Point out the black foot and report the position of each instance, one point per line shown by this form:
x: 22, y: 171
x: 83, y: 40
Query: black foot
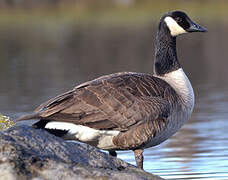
x: 113, y: 153
x: 139, y: 158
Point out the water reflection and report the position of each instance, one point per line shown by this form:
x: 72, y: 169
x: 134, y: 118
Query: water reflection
x: 41, y: 65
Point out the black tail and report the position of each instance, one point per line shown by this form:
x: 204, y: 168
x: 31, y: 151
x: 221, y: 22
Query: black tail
x: 40, y: 124
x: 43, y: 122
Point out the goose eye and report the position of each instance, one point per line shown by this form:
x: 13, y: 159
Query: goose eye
x: 178, y: 19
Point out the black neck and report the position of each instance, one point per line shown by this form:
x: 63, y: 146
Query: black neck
x: 165, y: 53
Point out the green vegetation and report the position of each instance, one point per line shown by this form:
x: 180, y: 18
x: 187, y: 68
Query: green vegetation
x: 5, y: 122
x: 112, y: 13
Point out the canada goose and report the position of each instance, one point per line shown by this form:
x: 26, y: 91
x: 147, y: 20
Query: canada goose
x: 127, y: 111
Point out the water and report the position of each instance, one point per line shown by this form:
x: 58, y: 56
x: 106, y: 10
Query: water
x: 42, y: 64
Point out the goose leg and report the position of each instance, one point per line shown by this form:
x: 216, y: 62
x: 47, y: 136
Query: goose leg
x: 113, y: 153
x: 139, y: 157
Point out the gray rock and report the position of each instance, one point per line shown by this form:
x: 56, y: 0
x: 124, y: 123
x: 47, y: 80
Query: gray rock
x: 27, y: 153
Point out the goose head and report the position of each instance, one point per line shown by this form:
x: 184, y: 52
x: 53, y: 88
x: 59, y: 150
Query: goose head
x: 178, y: 22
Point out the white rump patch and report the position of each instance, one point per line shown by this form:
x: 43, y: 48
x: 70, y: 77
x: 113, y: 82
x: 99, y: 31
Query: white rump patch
x: 181, y: 84
x: 103, y: 138
x: 174, y: 27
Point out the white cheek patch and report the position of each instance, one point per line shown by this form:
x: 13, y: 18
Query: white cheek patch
x: 175, y: 29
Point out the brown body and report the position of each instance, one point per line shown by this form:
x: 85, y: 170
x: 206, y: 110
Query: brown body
x: 137, y: 105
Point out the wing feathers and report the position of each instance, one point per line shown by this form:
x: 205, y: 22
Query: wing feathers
x: 119, y: 101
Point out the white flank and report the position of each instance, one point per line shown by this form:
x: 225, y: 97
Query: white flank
x: 181, y: 84
x: 174, y: 27
x: 102, y: 138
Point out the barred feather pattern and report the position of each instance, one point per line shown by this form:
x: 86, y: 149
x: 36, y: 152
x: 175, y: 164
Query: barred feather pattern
x: 137, y: 105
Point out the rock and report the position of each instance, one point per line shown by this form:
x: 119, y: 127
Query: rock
x: 27, y: 153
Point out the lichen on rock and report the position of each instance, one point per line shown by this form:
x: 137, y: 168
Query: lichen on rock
x: 5, y: 122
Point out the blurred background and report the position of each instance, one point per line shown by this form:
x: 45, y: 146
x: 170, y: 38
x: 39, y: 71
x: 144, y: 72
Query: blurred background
x: 49, y: 46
